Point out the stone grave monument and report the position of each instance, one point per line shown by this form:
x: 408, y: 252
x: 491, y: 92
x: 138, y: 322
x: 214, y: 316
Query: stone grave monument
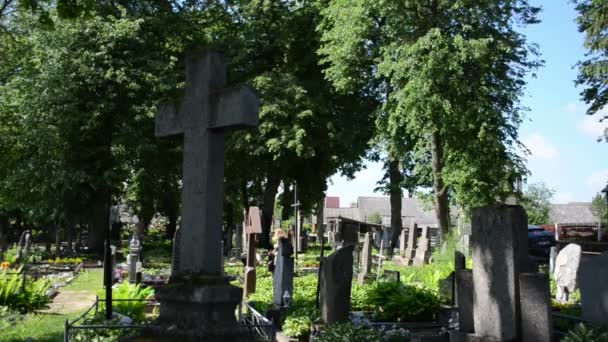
x: 133, y: 258
x: 535, y: 303
x: 199, y: 302
x: 593, y: 277
x: 238, y: 240
x: 282, y: 278
x: 410, y: 251
x: 565, y: 271
x: 501, y: 286
x: 335, y: 285
x: 253, y: 227
x: 423, y: 249
x: 403, y: 241
x: 366, y: 259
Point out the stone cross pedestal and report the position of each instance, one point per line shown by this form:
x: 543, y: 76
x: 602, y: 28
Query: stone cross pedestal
x: 410, y: 251
x: 423, y: 250
x: 253, y: 227
x: 199, y: 303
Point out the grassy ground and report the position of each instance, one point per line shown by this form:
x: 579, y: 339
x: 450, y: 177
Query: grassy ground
x: 50, y: 327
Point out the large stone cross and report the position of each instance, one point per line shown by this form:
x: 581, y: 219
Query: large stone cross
x: 204, y: 116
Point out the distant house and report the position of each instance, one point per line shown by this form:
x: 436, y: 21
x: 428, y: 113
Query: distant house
x: 411, y: 211
x: 332, y: 202
x: 572, y: 212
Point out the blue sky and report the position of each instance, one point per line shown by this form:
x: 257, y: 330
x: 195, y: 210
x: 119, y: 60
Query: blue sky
x: 562, y: 139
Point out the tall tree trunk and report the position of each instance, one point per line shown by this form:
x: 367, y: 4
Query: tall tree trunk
x: 3, y: 233
x: 170, y: 208
x: 57, y: 240
x: 319, y: 223
x: 270, y: 193
x: 286, y: 202
x: 100, y: 221
x: 396, y: 194
x: 142, y: 225
x: 442, y: 209
x: 70, y: 227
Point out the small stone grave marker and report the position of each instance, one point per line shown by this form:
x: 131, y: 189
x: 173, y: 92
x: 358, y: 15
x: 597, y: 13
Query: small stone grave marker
x: 566, y: 269
x: 410, y: 251
x: 282, y: 283
x: 252, y: 228
x: 423, y: 250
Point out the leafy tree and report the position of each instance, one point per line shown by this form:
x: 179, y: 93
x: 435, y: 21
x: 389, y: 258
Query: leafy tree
x: 599, y: 207
x: 536, y: 200
x: 593, y: 73
x: 375, y: 218
x: 450, y: 74
x: 307, y: 131
x: 84, y: 100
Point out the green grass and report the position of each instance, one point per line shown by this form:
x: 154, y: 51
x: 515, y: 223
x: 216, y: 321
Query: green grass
x: 90, y: 280
x: 50, y: 327
x: 40, y: 327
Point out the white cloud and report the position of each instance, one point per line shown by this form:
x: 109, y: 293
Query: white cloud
x: 571, y: 108
x: 591, y: 126
x: 597, y: 181
x: 563, y: 197
x: 540, y: 147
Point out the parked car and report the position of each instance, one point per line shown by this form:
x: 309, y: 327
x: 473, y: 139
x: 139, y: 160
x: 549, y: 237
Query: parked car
x: 540, y: 241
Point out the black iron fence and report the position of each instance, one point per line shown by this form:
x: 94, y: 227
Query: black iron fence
x: 260, y: 326
x: 80, y: 322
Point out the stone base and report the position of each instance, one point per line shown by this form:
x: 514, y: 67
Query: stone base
x: 457, y: 336
x: 197, y: 310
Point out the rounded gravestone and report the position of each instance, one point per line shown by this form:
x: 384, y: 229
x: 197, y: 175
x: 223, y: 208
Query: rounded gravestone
x: 566, y: 268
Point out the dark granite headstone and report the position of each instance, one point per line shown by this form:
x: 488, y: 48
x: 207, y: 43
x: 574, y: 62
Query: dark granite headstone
x: 366, y: 259
x: 464, y: 299
x: 535, y: 302
x: 593, y: 277
x: 282, y: 281
x: 336, y: 283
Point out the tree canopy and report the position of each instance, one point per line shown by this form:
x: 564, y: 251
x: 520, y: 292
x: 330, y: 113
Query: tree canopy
x: 593, y: 71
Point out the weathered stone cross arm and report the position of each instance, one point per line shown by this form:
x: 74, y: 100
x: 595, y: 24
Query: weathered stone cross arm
x: 233, y: 108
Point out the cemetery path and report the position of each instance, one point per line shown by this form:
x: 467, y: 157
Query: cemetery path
x: 70, y: 301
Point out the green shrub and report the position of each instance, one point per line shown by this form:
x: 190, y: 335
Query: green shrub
x: 297, y: 326
x: 584, y: 333
x: 11, y: 255
x: 348, y: 332
x: 394, y: 301
x: 132, y: 309
x: 22, y: 293
x: 65, y: 261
